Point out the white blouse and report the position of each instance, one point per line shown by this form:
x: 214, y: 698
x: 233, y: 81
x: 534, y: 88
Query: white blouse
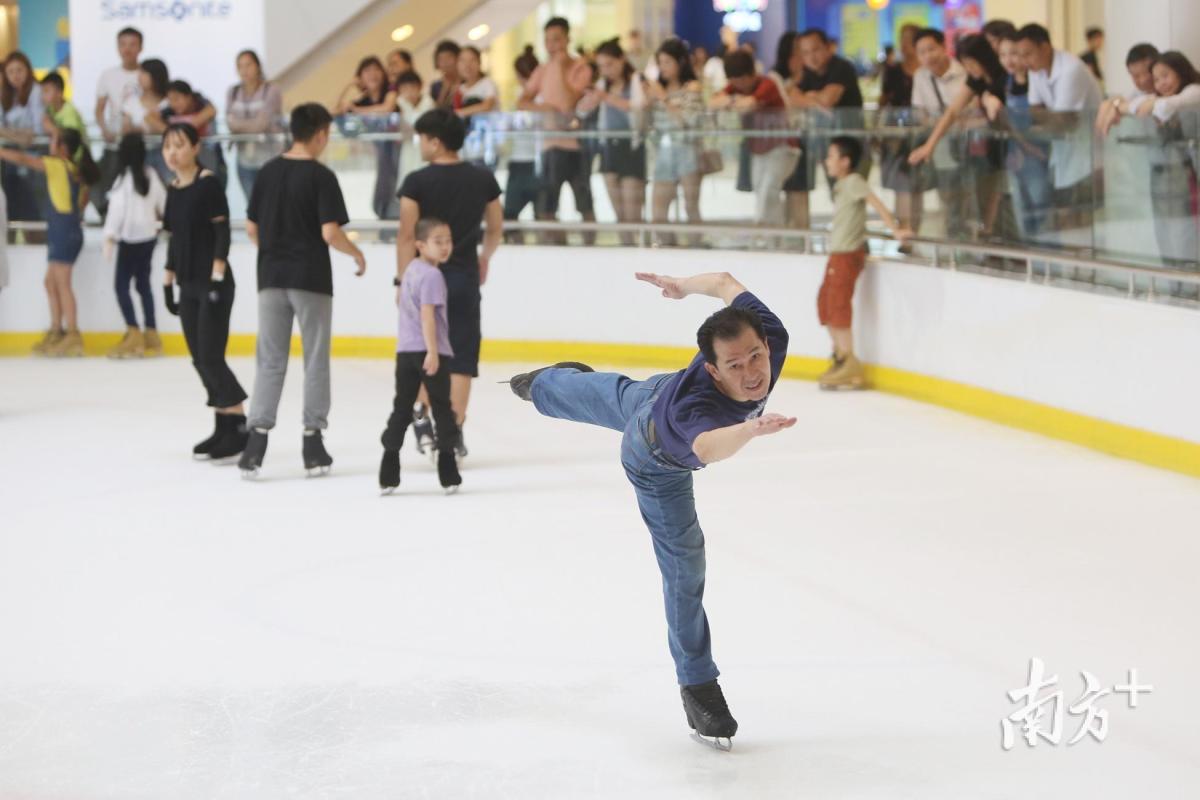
x: 131, y: 217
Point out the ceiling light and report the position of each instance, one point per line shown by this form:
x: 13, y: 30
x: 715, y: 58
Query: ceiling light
x: 402, y: 33
x: 478, y: 32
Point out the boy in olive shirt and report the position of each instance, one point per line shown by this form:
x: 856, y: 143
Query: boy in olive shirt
x: 847, y: 257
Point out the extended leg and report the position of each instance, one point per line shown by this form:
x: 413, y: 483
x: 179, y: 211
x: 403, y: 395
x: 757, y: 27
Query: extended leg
x: 606, y: 399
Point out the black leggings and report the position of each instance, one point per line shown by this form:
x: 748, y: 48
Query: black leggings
x: 409, y: 377
x: 206, y: 328
x: 133, y: 264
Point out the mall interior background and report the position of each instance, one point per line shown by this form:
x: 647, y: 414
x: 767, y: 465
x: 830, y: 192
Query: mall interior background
x: 311, y: 46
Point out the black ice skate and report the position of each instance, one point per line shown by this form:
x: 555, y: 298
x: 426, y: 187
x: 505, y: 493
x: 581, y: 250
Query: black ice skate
x: 252, y: 457
x: 232, y: 440
x: 708, y: 715
x: 448, y: 476
x: 202, y: 451
x: 460, y: 446
x: 423, y: 432
x: 389, y: 471
x: 316, y: 461
x: 522, y: 384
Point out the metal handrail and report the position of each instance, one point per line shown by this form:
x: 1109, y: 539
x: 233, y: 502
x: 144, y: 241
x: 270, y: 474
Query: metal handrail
x: 645, y: 232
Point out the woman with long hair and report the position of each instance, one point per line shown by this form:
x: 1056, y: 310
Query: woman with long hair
x: 143, y: 113
x: 253, y: 105
x: 68, y: 171
x: 1173, y: 178
x: 787, y: 72
x: 197, y: 218
x: 677, y: 101
x: 21, y: 115
x: 370, y: 98
x: 135, y: 205
x: 987, y: 80
x: 620, y: 98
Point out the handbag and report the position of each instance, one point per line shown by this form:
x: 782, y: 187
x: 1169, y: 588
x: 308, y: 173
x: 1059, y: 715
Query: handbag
x: 711, y: 161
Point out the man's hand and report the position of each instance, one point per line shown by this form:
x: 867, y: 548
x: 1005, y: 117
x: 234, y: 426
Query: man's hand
x: 431, y: 363
x: 361, y: 262
x: 110, y: 249
x: 671, y: 287
x: 770, y: 423
x: 903, y: 234
x: 484, y: 265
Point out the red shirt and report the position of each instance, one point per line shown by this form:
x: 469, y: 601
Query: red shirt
x: 768, y: 116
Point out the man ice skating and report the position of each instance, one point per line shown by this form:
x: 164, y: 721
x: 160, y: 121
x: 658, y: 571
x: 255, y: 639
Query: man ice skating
x: 674, y: 424
x: 296, y: 213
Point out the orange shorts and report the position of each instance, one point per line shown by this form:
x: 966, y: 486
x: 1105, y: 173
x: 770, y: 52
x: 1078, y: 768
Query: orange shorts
x: 834, y: 307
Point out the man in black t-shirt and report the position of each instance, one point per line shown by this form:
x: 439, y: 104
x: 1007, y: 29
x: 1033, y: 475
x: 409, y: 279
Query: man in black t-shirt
x: 829, y: 83
x: 466, y: 197
x: 296, y: 213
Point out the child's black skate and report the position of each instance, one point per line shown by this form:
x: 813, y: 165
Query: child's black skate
x: 448, y: 476
x: 316, y: 461
x: 423, y: 431
x: 252, y: 457
x: 708, y: 715
x: 389, y: 471
x: 522, y: 384
x: 460, y: 446
x: 203, y: 450
x: 231, y: 442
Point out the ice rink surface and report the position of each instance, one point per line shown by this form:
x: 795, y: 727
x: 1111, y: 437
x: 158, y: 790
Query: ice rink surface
x: 878, y: 578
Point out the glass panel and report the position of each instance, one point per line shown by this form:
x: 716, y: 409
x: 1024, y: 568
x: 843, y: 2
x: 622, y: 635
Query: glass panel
x: 1028, y: 179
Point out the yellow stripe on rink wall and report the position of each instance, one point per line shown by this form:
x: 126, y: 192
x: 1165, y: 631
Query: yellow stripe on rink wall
x: 1115, y: 439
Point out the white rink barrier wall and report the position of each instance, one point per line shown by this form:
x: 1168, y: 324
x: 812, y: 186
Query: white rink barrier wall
x: 1108, y: 372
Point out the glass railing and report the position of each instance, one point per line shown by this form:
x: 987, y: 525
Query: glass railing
x: 1048, y: 182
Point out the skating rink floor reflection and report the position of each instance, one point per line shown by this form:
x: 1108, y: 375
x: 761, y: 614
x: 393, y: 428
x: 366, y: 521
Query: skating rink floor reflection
x: 878, y: 578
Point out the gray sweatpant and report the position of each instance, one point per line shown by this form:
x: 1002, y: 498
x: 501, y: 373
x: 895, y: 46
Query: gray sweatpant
x: 276, y: 309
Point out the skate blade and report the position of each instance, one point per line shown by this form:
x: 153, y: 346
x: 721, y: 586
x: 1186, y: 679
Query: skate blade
x: 201, y: 457
x: 720, y: 743
x: 842, y: 387
x: 387, y: 491
x: 228, y: 461
x: 449, y: 490
x: 250, y: 474
x: 316, y: 472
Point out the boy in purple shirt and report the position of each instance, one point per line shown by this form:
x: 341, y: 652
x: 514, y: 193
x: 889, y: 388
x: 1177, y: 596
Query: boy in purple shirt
x: 422, y: 355
x: 674, y: 424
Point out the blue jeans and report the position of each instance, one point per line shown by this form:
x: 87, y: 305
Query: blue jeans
x: 133, y: 264
x: 664, y: 495
x: 246, y: 177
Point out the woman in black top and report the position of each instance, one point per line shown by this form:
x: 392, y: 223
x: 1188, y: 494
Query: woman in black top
x: 373, y: 103
x: 197, y: 218
x: 987, y: 80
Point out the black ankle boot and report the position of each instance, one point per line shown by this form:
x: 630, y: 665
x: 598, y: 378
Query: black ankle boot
x: 389, y: 470
x: 201, y: 451
x: 522, y: 385
x: 232, y: 440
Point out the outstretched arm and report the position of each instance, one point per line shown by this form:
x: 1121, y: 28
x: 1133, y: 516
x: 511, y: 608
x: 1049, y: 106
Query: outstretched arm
x: 720, y: 285
x: 722, y: 443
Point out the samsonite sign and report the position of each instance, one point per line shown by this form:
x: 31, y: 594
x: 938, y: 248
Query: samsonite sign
x: 198, y: 39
